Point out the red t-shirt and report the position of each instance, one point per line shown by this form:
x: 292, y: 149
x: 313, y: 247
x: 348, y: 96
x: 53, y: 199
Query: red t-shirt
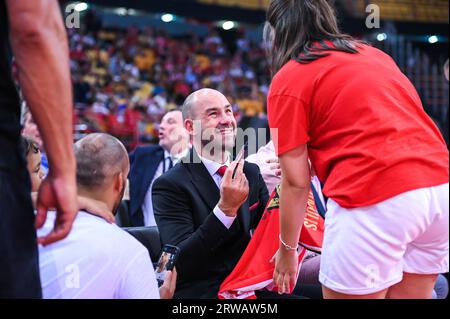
x: 367, y: 133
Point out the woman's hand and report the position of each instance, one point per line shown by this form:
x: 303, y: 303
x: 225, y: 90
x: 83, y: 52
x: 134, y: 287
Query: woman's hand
x: 96, y: 208
x: 285, y: 273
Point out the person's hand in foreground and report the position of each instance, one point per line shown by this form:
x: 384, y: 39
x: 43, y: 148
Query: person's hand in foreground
x: 233, y: 191
x: 60, y: 192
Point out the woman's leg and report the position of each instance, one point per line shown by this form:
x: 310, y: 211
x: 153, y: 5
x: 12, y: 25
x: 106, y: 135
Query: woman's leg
x: 413, y: 286
x: 331, y: 294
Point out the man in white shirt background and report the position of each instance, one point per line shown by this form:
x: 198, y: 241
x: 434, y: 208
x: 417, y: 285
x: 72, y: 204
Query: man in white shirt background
x: 98, y: 259
x: 150, y: 162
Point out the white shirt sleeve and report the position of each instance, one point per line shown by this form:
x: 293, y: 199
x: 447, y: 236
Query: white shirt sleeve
x: 139, y: 280
x: 224, y: 219
x: 265, y: 153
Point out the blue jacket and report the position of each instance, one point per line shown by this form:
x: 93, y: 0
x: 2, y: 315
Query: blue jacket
x: 144, y: 162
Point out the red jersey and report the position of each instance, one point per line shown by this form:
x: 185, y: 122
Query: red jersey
x: 367, y: 133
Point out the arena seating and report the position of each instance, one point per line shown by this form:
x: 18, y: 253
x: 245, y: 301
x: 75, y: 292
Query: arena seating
x: 431, y: 11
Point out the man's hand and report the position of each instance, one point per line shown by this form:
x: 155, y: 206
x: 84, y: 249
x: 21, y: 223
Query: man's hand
x: 59, y: 192
x: 233, y: 191
x: 167, y: 290
x: 275, y: 166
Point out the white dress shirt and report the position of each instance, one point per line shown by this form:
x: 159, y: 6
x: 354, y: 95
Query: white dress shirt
x: 97, y: 260
x: 212, y: 168
x: 147, y: 206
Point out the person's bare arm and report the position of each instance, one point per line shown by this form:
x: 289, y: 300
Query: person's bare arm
x: 40, y: 47
x: 295, y: 186
x: 92, y: 206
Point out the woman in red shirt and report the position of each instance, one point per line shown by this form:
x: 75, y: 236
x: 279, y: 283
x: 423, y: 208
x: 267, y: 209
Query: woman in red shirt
x: 348, y: 108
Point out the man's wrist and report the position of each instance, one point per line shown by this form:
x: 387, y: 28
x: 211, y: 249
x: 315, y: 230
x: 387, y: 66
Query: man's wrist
x: 228, y: 211
x: 226, y: 220
x: 68, y: 172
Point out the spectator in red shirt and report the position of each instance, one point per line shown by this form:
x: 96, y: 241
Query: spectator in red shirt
x: 383, y: 162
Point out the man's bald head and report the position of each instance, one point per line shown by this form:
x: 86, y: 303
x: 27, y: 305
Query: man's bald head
x: 209, y: 119
x: 99, y: 157
x: 197, y: 98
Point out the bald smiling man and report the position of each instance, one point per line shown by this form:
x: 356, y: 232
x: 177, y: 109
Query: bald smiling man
x: 200, y: 207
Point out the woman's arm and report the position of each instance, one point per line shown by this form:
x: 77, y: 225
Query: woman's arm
x: 295, y: 186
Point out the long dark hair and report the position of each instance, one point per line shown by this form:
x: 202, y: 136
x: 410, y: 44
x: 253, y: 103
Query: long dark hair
x: 299, y: 29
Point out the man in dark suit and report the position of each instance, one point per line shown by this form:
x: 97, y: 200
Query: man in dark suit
x: 201, y: 206
x: 150, y: 162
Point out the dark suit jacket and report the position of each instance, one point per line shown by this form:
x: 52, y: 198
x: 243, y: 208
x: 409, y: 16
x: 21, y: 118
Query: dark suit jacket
x: 144, y: 162
x: 183, y: 203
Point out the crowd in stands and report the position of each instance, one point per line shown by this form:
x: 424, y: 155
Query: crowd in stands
x: 126, y: 80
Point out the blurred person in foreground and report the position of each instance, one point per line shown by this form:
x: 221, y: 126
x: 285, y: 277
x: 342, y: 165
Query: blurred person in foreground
x: 348, y: 108
x: 150, y: 162
x: 98, y: 259
x: 33, y: 32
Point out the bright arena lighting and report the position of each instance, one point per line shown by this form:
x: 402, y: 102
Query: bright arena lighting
x: 121, y: 11
x: 381, y: 37
x: 81, y: 6
x: 167, y: 17
x: 228, y: 25
x: 433, y: 39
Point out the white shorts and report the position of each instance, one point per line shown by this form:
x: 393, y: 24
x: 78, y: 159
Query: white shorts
x: 367, y: 249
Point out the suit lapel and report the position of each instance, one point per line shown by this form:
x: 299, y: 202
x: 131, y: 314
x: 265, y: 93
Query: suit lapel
x: 202, y: 181
x: 208, y: 190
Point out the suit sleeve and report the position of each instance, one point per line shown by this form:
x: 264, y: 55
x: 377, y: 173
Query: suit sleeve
x: 174, y: 217
x: 132, y: 156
